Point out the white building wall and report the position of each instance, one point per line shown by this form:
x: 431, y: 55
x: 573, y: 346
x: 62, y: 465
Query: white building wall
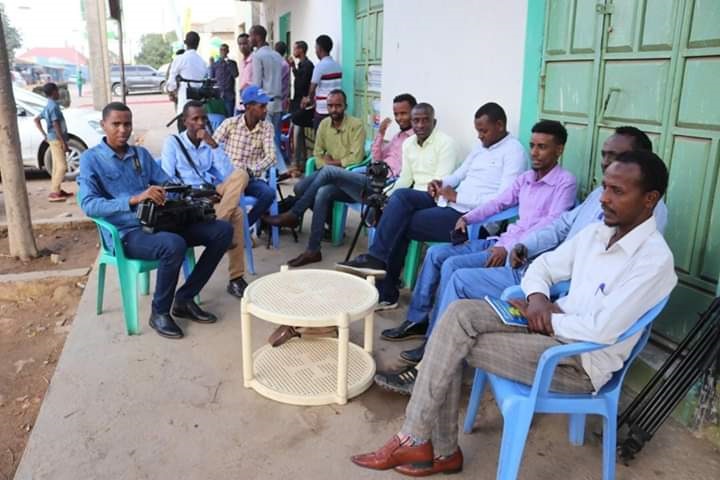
x: 456, y: 55
x: 308, y: 20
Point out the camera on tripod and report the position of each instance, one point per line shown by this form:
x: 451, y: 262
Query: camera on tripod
x: 375, y: 199
x: 206, y: 91
x: 192, y: 205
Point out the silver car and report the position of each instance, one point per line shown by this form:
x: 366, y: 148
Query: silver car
x: 138, y: 78
x: 83, y: 127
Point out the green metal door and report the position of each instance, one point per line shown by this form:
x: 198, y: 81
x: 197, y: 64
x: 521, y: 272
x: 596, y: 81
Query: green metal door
x: 368, y: 62
x: 655, y: 65
x: 284, y: 30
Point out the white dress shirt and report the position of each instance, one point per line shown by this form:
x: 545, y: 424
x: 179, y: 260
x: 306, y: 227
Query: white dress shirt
x: 610, y: 289
x: 486, y: 172
x: 191, y: 66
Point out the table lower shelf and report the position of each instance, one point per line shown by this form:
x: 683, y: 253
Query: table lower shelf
x: 304, y: 371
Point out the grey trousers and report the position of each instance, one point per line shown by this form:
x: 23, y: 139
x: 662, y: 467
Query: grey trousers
x: 470, y: 329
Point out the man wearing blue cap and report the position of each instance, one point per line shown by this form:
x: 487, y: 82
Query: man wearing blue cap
x: 248, y: 140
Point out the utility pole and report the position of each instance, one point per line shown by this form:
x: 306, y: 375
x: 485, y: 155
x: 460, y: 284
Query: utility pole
x: 99, y: 59
x: 17, y: 206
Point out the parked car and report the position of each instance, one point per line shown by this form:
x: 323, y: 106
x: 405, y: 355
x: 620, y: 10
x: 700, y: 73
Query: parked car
x: 83, y: 127
x: 138, y: 78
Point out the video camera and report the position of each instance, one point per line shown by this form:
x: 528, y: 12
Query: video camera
x: 377, y: 173
x: 206, y: 91
x: 192, y: 205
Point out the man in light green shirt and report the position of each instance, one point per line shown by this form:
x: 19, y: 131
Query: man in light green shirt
x: 340, y: 138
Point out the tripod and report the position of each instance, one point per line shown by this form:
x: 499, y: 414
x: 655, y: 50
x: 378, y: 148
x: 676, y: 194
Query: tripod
x: 371, y: 205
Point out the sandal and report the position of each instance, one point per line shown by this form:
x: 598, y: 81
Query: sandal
x: 282, y: 334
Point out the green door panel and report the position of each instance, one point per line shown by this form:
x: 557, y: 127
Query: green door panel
x: 710, y: 261
x: 658, y: 26
x: 362, y: 7
x: 368, y: 56
x: 705, y: 26
x: 623, y: 26
x: 681, y: 312
x: 378, y: 37
x: 699, y: 108
x: 575, y: 157
x: 584, y: 27
x: 688, y: 166
x: 571, y: 84
x: 558, y: 26
x: 635, y: 91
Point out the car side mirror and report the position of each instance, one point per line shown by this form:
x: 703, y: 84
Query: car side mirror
x: 21, y: 112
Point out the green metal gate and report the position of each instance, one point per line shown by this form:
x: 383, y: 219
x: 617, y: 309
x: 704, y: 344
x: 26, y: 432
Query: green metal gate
x: 368, y: 61
x: 654, y: 64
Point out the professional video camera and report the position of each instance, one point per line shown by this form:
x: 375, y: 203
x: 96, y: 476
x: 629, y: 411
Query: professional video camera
x: 374, y: 199
x: 192, y: 205
x: 206, y: 91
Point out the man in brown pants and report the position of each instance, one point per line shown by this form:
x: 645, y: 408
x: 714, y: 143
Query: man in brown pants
x: 193, y: 158
x: 57, y: 138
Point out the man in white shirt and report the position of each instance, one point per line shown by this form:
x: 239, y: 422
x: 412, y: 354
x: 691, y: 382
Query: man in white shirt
x: 188, y: 66
x: 491, y: 167
x: 620, y: 269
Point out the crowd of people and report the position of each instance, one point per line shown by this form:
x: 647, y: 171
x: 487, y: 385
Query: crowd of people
x: 610, y: 245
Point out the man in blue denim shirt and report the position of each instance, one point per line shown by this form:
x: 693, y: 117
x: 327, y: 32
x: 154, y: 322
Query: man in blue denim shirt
x: 114, y: 178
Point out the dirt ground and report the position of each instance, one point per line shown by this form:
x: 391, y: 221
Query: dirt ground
x: 35, y: 318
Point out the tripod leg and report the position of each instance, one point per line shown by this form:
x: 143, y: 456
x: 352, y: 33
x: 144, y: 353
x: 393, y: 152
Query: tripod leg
x: 357, y: 234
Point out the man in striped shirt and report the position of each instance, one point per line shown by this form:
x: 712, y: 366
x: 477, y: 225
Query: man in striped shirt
x: 326, y: 77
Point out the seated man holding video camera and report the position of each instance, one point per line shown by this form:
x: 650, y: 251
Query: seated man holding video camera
x: 116, y: 180
x: 430, y: 211
x: 193, y: 158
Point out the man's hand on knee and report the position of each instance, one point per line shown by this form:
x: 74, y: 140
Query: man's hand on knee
x: 538, y: 310
x: 497, y: 257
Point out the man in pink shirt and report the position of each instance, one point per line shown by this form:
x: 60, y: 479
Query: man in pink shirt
x: 243, y: 41
x: 391, y: 152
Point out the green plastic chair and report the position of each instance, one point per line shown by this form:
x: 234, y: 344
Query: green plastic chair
x: 339, y: 211
x: 129, y: 269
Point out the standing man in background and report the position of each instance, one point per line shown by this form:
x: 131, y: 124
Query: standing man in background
x: 267, y: 75
x: 224, y: 71
x: 326, y: 77
x: 243, y: 42
x: 301, y: 117
x: 281, y: 49
x: 189, y: 66
x: 57, y: 137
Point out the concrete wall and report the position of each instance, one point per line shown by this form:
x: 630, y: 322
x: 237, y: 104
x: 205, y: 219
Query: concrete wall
x: 455, y: 55
x: 308, y: 20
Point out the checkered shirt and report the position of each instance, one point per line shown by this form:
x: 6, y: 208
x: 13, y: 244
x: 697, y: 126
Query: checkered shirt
x: 249, y: 149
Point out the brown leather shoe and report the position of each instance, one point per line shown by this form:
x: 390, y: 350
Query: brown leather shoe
x: 393, y: 454
x: 287, y: 219
x: 451, y: 464
x: 282, y: 334
x: 305, y: 258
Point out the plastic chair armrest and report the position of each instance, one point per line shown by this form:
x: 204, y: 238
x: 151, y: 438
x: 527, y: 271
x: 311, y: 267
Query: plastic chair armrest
x: 114, y: 233
x: 310, y: 165
x: 506, y: 214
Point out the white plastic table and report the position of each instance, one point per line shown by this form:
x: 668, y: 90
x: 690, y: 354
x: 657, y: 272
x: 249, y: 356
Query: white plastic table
x: 310, y: 371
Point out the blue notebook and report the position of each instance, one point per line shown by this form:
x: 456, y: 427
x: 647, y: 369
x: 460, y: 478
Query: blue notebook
x: 507, y: 313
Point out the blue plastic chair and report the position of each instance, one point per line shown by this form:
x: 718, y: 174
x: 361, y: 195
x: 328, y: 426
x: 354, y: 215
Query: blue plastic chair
x: 518, y: 402
x: 248, y: 202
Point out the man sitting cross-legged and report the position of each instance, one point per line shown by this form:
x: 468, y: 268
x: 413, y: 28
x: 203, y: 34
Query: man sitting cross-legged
x: 542, y: 193
x: 620, y: 269
x: 193, y: 158
x: 334, y: 183
x: 430, y: 215
x: 476, y: 283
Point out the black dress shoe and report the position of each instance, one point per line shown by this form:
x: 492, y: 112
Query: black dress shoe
x: 165, y: 326
x: 363, y: 265
x: 414, y: 355
x: 236, y: 287
x: 192, y: 311
x: 406, y: 331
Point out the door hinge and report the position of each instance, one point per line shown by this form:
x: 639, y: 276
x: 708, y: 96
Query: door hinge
x: 604, y: 8
x: 542, y: 81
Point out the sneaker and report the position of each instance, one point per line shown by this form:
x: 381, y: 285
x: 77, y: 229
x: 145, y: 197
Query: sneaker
x: 386, y: 305
x: 363, y: 265
x: 401, y: 382
x: 56, y: 197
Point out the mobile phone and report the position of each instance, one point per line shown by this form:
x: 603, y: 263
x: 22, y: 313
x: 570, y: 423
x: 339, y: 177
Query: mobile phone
x: 458, y: 236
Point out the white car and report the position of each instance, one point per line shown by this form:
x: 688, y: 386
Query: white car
x: 83, y: 127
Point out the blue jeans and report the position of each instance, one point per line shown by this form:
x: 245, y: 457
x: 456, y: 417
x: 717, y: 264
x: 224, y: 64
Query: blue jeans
x: 319, y: 190
x: 439, y: 264
x: 474, y: 283
x: 229, y: 106
x: 265, y: 196
x: 409, y: 215
x: 275, y: 119
x: 170, y: 249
